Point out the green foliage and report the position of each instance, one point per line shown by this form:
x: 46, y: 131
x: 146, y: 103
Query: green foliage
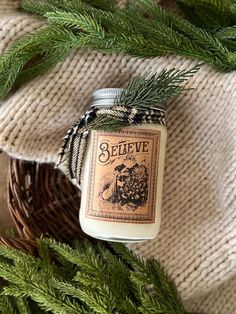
x: 87, y: 23
x: 7, y: 305
x: 102, y: 278
x: 40, y: 7
x: 33, y: 55
x: 141, y: 29
x: 217, y: 17
x: 151, y: 91
x: 19, y: 305
x: 210, y: 14
x: 227, y: 33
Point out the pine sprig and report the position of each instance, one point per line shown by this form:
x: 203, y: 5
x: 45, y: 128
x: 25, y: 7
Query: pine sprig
x: 101, y: 302
x: 157, y: 284
x: 227, y: 33
x: 146, y: 92
x: 23, y: 306
x: 122, y: 282
x: 32, y: 51
x: 169, y: 291
x: 198, y: 35
x: 40, y: 7
x: 27, y: 280
x: 142, y: 29
x: 135, y: 262
x: 209, y: 14
x: 83, y: 22
x: 128, y: 31
x: 7, y: 305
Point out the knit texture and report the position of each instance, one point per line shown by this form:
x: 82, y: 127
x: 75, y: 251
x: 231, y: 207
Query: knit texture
x: 197, y: 241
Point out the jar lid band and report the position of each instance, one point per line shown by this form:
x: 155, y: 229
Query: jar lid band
x: 105, y: 97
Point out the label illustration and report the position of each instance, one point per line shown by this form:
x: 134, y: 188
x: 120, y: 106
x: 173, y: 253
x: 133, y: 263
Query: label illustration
x: 123, y: 175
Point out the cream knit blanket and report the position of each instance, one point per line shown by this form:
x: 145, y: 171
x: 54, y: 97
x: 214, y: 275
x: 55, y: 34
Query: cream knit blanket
x: 197, y: 242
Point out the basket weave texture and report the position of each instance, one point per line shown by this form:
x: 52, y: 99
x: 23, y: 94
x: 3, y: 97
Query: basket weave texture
x: 41, y: 201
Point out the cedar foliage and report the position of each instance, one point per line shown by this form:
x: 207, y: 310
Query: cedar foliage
x: 153, y: 91
x: 103, y: 278
x: 142, y: 29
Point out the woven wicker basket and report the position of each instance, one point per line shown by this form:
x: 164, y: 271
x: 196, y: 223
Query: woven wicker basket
x: 41, y: 200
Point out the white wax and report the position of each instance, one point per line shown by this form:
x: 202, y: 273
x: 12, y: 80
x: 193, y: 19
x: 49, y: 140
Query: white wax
x: 117, y: 231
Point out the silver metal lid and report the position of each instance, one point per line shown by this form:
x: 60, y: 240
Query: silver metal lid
x: 105, y: 97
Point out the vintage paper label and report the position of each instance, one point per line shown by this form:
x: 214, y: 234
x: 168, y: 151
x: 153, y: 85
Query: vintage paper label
x: 123, y: 175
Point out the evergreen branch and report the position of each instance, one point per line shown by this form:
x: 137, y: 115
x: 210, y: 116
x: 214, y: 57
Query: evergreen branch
x: 227, y: 33
x: 220, y: 6
x: 117, y: 269
x: 7, y: 305
x: 123, y: 285
x: 151, y: 274
x: 23, y: 306
x: 29, y: 281
x: 142, y: 29
x: 128, y: 256
x: 71, y: 255
x: 115, y: 278
x: 95, y: 300
x: 11, y: 305
x: 153, y: 91
x: 128, y: 306
x: 85, y: 280
x: 75, y: 20
x: 31, y: 48
x: 231, y: 44
x: 163, y: 283
x: 46, y: 62
x: 8, y: 272
x: 149, y: 304
x: 209, y: 14
x: 14, y: 291
x: 128, y: 31
x: 16, y: 255
x: 194, y: 33
x: 87, y: 260
x: 175, y: 35
x: 39, y: 7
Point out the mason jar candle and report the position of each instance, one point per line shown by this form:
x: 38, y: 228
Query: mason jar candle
x: 122, y: 179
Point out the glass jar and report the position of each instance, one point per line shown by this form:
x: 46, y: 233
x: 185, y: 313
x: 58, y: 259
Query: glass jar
x: 122, y: 179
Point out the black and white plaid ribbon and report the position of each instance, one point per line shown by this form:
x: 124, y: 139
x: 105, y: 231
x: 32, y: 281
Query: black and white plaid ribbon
x: 75, y: 141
